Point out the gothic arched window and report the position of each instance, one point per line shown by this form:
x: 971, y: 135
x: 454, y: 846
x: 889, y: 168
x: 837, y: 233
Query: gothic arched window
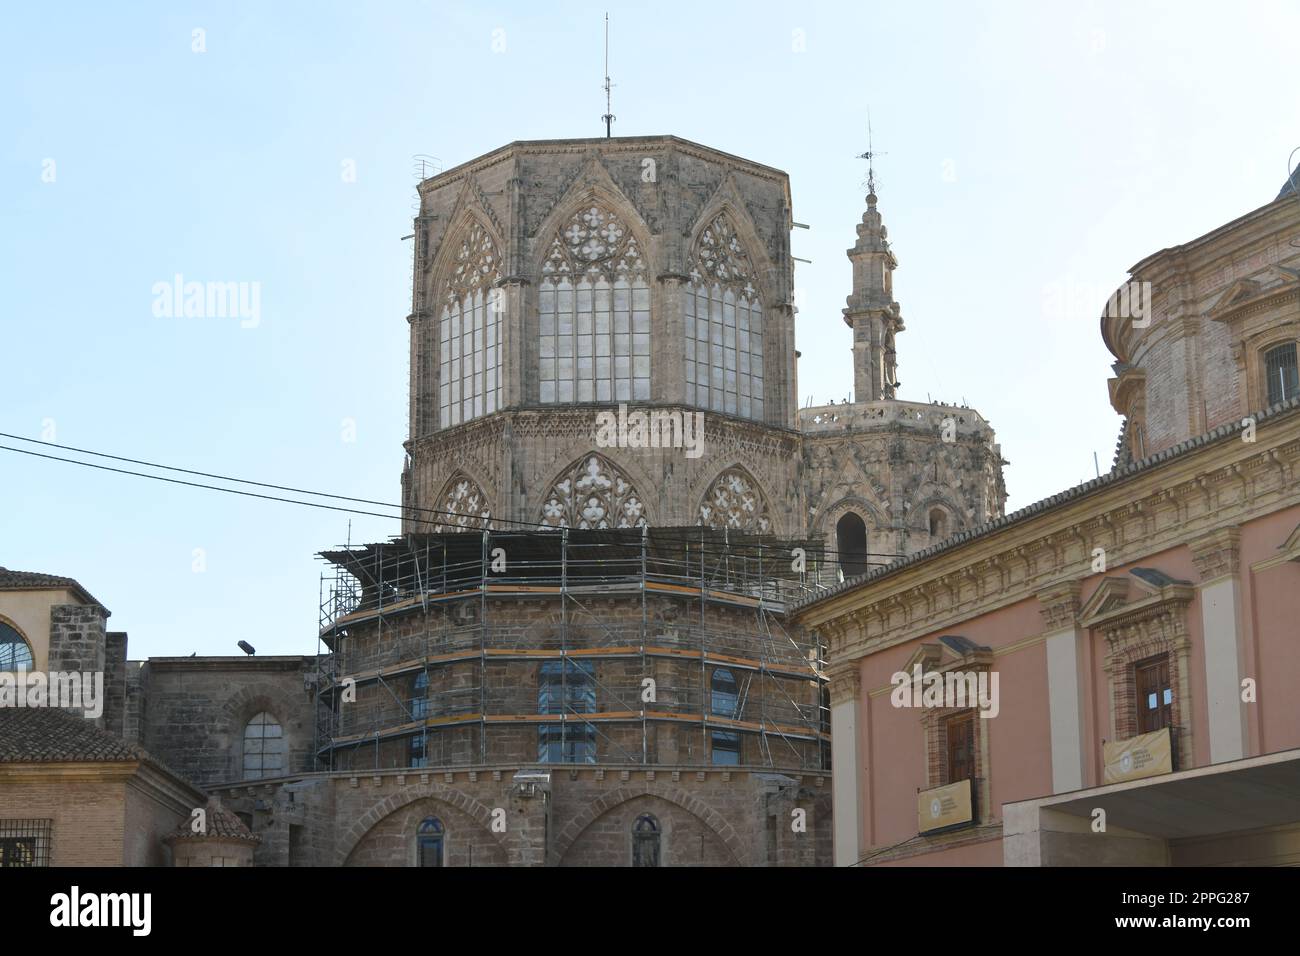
x: 734, y: 502
x: 594, y: 312
x: 645, y: 841
x: 263, y: 747
x: 469, y: 333
x: 938, y: 524
x: 851, y: 542
x: 15, y: 653
x: 723, y: 325
x: 429, y: 842
x: 593, y: 493
x: 463, y: 506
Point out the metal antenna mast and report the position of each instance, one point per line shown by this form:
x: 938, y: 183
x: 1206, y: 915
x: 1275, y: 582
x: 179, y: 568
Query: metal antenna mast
x: 869, y: 156
x: 609, y: 109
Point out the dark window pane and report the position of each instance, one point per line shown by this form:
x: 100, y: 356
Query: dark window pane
x: 1280, y: 370
x: 645, y: 841
x: 726, y: 748
x: 961, y: 747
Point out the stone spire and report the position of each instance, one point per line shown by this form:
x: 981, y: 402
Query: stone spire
x: 872, y: 312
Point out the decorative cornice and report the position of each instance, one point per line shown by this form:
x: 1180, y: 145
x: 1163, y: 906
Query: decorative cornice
x: 1161, y: 494
x: 1156, y: 509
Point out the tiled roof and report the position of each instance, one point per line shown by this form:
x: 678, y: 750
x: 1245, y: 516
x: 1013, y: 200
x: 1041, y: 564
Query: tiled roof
x: 1282, y: 409
x: 50, y: 735
x: 220, y: 823
x: 28, y: 580
x: 1123, y: 457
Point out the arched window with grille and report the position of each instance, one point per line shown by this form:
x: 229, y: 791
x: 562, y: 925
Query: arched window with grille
x: 15, y: 652
x: 430, y: 842
x: 723, y: 325
x: 646, y: 841
x: 264, y: 749
x: 594, y: 312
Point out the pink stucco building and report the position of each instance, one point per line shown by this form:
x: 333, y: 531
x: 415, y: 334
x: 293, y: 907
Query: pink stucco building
x: 1127, y: 649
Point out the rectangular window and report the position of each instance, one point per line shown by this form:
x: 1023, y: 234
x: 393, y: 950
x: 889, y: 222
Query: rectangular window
x: 1280, y: 370
x: 418, y: 756
x: 24, y: 843
x: 566, y: 687
x: 1155, y: 696
x: 960, y: 733
x: 726, y: 748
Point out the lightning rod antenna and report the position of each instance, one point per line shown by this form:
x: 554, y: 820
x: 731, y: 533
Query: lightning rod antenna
x: 870, y: 156
x: 609, y: 109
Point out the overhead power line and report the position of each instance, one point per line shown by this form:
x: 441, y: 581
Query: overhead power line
x: 682, y: 534
x: 229, y: 478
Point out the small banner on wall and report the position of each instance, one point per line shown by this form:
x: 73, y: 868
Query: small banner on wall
x: 1147, y: 755
x: 943, y: 807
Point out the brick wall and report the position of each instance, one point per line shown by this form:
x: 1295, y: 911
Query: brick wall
x: 88, y: 811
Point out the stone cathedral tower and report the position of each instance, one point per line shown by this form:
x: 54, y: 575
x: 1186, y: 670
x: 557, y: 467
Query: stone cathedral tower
x: 559, y: 278
x: 872, y: 313
x: 591, y: 635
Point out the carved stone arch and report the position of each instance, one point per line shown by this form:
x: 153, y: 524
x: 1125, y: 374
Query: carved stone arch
x: 468, y: 222
x: 593, y: 491
x: 463, y: 496
x: 247, y: 703
x: 597, y: 808
x: 593, y: 183
x: 592, y: 247
x: 929, y: 496
x: 564, y: 450
x: 736, y: 501
x: 871, y: 509
x: 387, y: 806
x: 879, y: 544
x: 727, y: 200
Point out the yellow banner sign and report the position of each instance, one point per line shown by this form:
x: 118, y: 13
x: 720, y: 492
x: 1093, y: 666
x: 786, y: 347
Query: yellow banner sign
x: 1147, y: 755
x: 943, y: 807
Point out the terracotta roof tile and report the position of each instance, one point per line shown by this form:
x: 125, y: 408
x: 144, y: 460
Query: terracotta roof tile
x: 220, y: 823
x: 11, y: 580
x: 50, y: 735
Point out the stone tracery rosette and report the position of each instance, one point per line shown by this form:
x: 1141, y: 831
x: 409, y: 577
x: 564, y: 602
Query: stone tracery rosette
x: 719, y: 255
x: 594, y: 242
x: 477, y: 266
x: 734, y: 502
x: 593, y: 494
x: 463, y: 507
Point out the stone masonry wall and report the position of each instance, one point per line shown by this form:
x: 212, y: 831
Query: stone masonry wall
x: 583, y: 816
x: 198, y: 709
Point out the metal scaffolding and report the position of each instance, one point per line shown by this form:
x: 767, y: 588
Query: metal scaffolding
x: 418, y: 635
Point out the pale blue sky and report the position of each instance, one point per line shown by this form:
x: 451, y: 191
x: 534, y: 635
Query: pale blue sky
x: 1029, y: 148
